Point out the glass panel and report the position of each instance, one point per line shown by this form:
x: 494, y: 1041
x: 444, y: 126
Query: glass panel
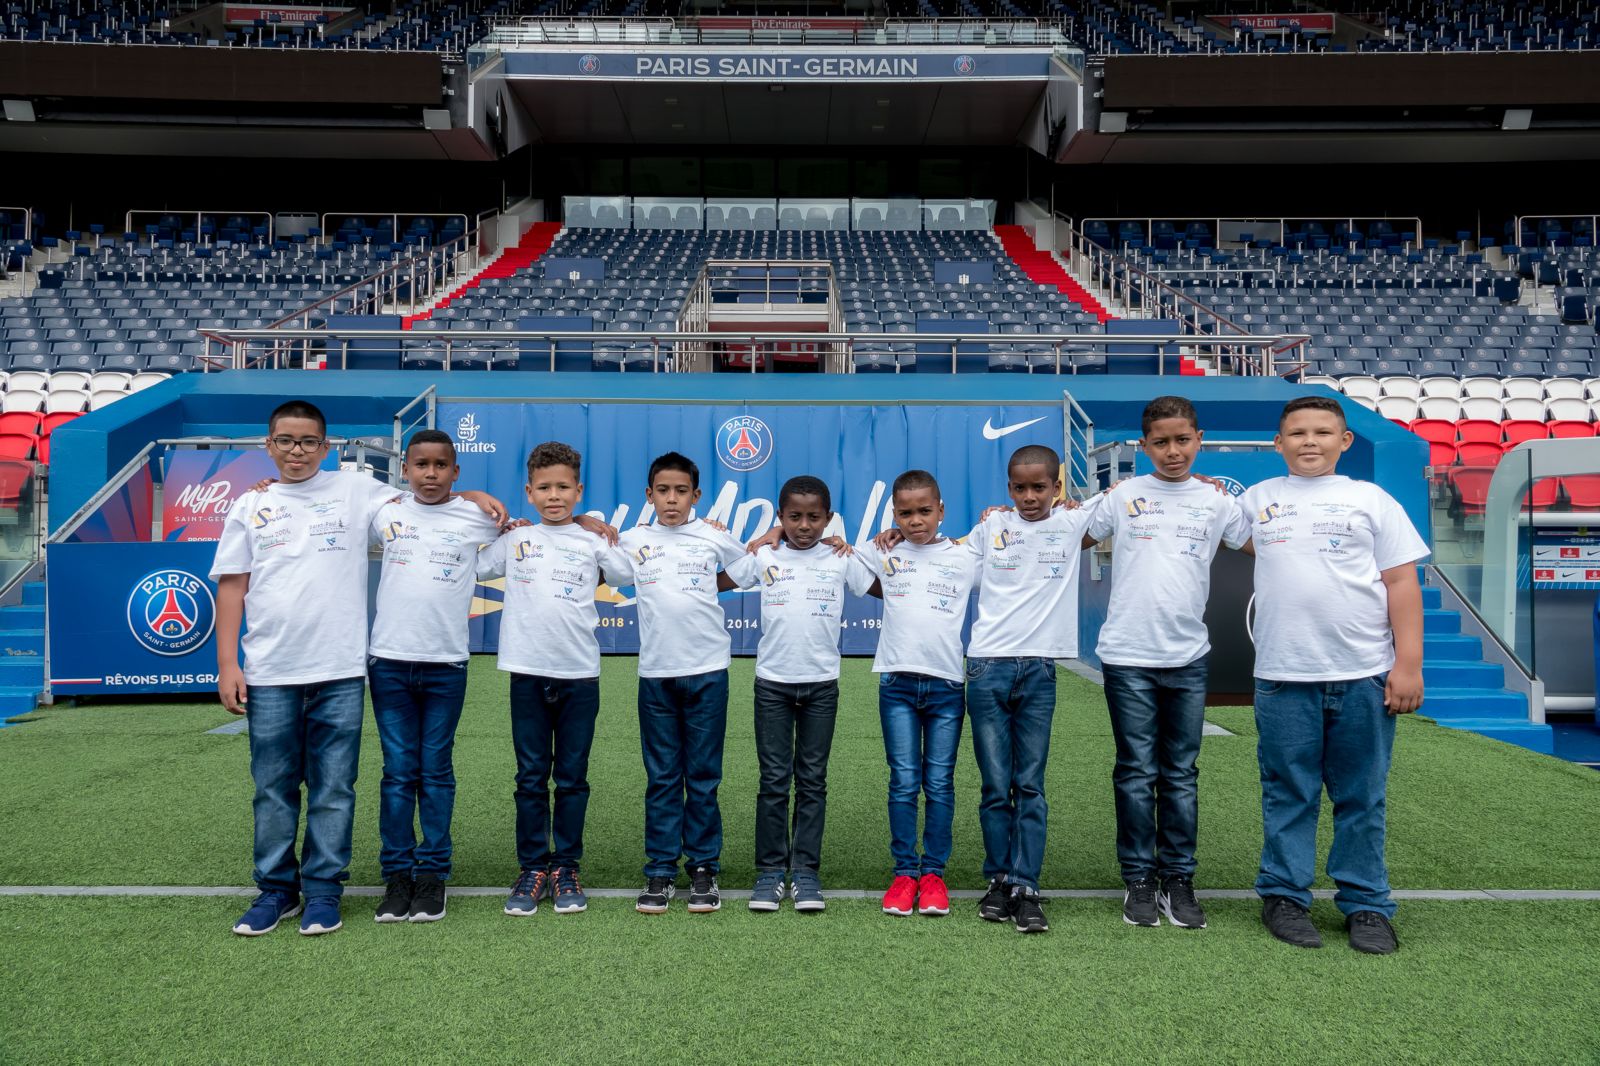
x: 596, y: 212
x: 658, y: 213
x: 741, y: 213
x: 814, y: 214
x: 19, y: 517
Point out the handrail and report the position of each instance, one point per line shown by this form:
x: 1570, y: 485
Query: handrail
x: 1594, y: 224
x: 766, y: 30
x: 92, y: 504
x: 199, y: 220
x: 394, y: 218
x: 1281, y: 222
x: 429, y: 398
x: 27, y: 221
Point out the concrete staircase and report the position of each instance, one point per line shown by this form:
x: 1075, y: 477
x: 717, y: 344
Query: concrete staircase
x: 22, y: 653
x: 534, y: 243
x: 1462, y: 691
x: 1044, y: 269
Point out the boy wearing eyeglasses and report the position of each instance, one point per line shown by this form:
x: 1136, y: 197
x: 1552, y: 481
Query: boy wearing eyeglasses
x: 293, y: 556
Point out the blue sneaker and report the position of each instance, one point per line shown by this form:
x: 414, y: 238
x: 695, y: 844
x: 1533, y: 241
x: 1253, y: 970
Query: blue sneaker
x: 531, y: 886
x: 768, y: 891
x: 267, y: 911
x: 569, y: 895
x: 321, y: 916
x: 806, y: 891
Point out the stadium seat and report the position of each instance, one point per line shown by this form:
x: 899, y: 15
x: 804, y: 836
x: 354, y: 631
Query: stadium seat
x: 22, y: 400
x: 1522, y: 388
x: 1441, y: 453
x: 1479, y: 431
x: 1443, y: 408
x: 1518, y: 430
x: 1401, y: 409
x: 1563, y: 389
x: 1321, y: 379
x: 1544, y: 493
x: 1561, y: 428
x: 1482, y: 387
x: 1402, y: 385
x: 145, y: 379
x: 67, y: 401
x: 1445, y: 387
x: 1566, y: 410
x: 17, y: 445
x: 1435, y: 430
x: 1470, y: 485
x: 1582, y: 491
x: 20, y: 422
x: 1482, y: 454
x: 35, y: 380
x: 105, y: 398
x: 1361, y: 387
x: 1482, y: 407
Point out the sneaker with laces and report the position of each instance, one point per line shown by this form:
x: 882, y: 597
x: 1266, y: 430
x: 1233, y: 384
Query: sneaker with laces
x: 1289, y: 922
x: 768, y: 891
x: 396, y: 905
x: 428, y: 904
x: 657, y: 893
x: 569, y: 895
x: 805, y: 888
x: 1139, y: 902
x: 995, y: 906
x: 933, y: 899
x: 266, y: 912
x: 1371, y: 932
x: 321, y: 916
x: 901, y: 897
x: 704, y: 896
x: 1177, y: 901
x: 529, y: 888
x: 1026, y: 914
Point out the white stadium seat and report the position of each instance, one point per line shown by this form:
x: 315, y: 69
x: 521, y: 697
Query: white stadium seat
x: 69, y: 381
x: 29, y: 381
x: 1525, y: 407
x: 1445, y: 407
x: 1441, y: 386
x: 104, y: 398
x: 1482, y: 407
x: 65, y: 402
x: 1566, y: 408
x: 1397, y: 408
x: 1361, y: 387
x: 1591, y: 388
x: 1563, y: 389
x: 27, y: 400
x: 1321, y: 379
x: 111, y: 380
x: 1401, y: 385
x: 1522, y: 388
x: 1481, y: 387
x: 145, y: 378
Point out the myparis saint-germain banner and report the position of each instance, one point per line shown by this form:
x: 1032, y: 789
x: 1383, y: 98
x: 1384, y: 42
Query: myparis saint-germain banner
x: 745, y: 454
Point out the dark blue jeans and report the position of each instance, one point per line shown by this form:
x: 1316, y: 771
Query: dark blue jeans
x: 794, y: 734
x: 417, y: 707
x: 311, y: 735
x: 1338, y: 734
x: 682, y: 723
x: 921, y: 718
x: 1011, y: 703
x: 552, y: 729
x: 1157, y: 716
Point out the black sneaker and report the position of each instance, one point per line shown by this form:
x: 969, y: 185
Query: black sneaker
x: 396, y: 905
x: 1371, y: 932
x: 995, y: 906
x: 428, y: 904
x: 1176, y: 900
x: 658, y: 892
x: 1026, y: 914
x: 1289, y: 922
x: 1139, y: 903
x: 704, y: 896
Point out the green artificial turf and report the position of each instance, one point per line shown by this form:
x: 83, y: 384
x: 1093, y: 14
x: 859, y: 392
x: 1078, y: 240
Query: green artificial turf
x: 118, y: 793
x: 160, y: 980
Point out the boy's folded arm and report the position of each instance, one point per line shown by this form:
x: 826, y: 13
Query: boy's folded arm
x: 488, y: 504
x: 1403, y: 691
x: 589, y: 523
x: 726, y: 583
x: 231, y: 589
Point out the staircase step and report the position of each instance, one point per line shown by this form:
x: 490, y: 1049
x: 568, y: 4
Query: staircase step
x: 1451, y: 646
x: 1456, y: 704
x: 22, y: 643
x: 22, y: 670
x: 33, y: 593
x: 1432, y: 599
x: 1443, y: 622
x: 1463, y: 673
x: 1531, y: 735
x: 19, y: 699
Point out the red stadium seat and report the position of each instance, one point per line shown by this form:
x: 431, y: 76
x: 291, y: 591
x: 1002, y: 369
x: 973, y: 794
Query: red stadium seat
x: 1441, y: 453
x: 1479, y: 429
x: 1480, y: 453
x: 14, y: 475
x: 60, y: 418
x: 1561, y: 429
x: 1544, y: 493
x: 1517, y: 430
x: 1472, y: 488
x: 1436, y: 430
x: 1583, y: 491
x: 17, y: 445
x: 25, y: 422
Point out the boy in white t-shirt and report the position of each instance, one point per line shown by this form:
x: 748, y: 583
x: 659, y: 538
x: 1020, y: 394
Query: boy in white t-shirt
x: 683, y: 682
x: 417, y: 671
x: 1166, y: 527
x: 548, y: 646
x: 925, y: 583
x: 293, y: 556
x: 1338, y: 634
x: 802, y: 584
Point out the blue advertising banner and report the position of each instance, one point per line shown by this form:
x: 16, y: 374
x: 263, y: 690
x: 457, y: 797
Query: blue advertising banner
x: 745, y: 454
x: 770, y: 65
x: 131, y: 618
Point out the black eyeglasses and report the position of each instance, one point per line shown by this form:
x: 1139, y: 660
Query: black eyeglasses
x: 289, y: 444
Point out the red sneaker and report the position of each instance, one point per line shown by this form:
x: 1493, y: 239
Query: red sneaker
x: 933, y: 899
x: 901, y: 897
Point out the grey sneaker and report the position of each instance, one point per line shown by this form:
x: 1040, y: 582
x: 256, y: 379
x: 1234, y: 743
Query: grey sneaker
x: 768, y: 891
x: 1177, y: 901
x: 805, y: 888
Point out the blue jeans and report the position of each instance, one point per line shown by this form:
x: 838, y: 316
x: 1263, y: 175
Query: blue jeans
x: 1011, y: 703
x: 552, y: 730
x: 1157, y: 716
x: 311, y: 735
x: 682, y: 722
x: 921, y: 718
x: 417, y: 707
x: 794, y: 734
x: 1334, y: 733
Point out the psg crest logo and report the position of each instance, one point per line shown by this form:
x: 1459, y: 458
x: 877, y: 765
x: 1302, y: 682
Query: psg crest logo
x: 744, y: 443
x: 589, y: 64
x: 965, y: 64
x: 171, y: 612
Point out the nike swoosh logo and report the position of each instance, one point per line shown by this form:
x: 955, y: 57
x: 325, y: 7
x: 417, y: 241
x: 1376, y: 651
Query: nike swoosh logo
x: 991, y: 433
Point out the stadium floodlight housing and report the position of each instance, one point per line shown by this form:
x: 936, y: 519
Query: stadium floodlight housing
x: 1517, y: 119
x: 19, y: 111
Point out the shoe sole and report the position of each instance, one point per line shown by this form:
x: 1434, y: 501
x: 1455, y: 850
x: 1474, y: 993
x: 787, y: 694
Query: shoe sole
x: 319, y: 930
x: 810, y: 906
x: 1032, y: 928
x: 1001, y: 917
x: 1166, y: 908
x: 516, y: 913
x: 765, y: 906
x: 571, y: 908
x: 1144, y: 925
x: 933, y: 912
x: 1295, y: 943
x: 705, y: 908
x: 244, y: 930
x: 425, y: 917
x: 897, y: 913
x: 386, y: 919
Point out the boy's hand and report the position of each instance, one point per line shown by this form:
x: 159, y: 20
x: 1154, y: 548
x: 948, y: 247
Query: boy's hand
x: 519, y: 523
x: 996, y: 509
x: 888, y: 540
x: 263, y: 484
x: 591, y: 524
x: 714, y: 524
x: 1402, y: 693
x: 487, y: 504
x: 1213, y: 482
x: 839, y: 545
x: 770, y: 539
x: 231, y: 687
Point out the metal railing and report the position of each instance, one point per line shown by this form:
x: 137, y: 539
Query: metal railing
x: 1260, y: 228
x: 428, y: 400
x: 27, y: 221
x: 1523, y: 220
x: 394, y: 221
x: 802, y: 30
x: 199, y: 220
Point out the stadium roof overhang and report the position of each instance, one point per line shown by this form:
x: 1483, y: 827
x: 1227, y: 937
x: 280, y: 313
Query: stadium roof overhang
x: 698, y: 96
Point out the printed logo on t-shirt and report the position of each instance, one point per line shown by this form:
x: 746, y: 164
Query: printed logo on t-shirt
x: 528, y: 550
x: 1007, y: 538
x: 399, y: 531
x: 1274, y: 511
x: 1139, y: 507
x: 894, y: 566
x: 267, y: 516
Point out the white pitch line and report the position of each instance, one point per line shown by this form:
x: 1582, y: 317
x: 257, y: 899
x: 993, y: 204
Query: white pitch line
x: 1500, y: 895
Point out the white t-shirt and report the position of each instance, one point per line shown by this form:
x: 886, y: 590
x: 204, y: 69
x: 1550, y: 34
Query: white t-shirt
x: 428, y: 575
x: 548, y: 620
x: 802, y: 608
x: 304, y: 545
x: 925, y: 591
x: 1164, y: 536
x: 1322, y: 610
x: 1029, y: 603
x: 682, y: 630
